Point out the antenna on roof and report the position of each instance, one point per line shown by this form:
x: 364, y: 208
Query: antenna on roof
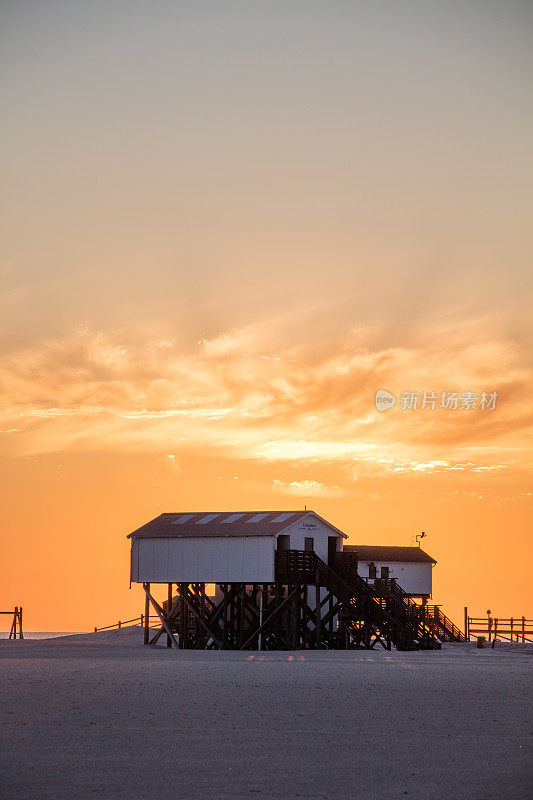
x: 420, y: 536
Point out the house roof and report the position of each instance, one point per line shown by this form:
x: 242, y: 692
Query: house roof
x: 371, y: 552
x: 205, y: 524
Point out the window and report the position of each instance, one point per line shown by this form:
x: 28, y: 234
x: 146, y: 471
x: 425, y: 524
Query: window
x: 385, y: 573
x: 372, y: 572
x: 284, y: 542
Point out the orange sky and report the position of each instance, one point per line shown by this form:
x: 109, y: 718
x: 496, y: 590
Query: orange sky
x: 222, y: 234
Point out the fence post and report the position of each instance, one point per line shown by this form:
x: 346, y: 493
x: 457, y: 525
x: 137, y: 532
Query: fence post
x: 466, y: 624
x: 13, y: 631
x: 523, y: 630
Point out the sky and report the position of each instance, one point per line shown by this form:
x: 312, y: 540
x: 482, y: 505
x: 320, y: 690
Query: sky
x: 224, y: 227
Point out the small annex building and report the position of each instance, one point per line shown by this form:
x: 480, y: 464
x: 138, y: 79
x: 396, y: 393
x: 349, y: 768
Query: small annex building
x: 411, y: 567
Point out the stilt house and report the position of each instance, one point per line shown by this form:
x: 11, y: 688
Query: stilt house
x: 284, y: 580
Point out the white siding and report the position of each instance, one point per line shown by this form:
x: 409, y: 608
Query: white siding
x: 243, y: 559
x: 146, y: 558
x: 315, y: 529
x: 160, y: 564
x: 413, y: 577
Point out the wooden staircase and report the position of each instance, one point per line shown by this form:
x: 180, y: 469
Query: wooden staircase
x: 443, y: 626
x: 367, y: 616
x: 400, y: 618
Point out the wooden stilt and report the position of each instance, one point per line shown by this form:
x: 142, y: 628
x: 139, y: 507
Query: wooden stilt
x: 184, y: 622
x: 190, y: 606
x: 162, y: 616
x: 269, y: 619
x: 146, y: 613
x: 318, y: 611
x: 169, y: 607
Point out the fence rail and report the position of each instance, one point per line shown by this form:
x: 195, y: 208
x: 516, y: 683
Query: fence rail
x: 513, y: 629
x: 16, y: 625
x: 121, y: 623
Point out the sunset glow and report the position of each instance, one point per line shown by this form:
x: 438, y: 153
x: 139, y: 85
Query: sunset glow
x: 219, y: 242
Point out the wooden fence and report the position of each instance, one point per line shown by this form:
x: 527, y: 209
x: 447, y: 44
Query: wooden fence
x: 512, y: 629
x: 16, y: 625
x: 122, y: 623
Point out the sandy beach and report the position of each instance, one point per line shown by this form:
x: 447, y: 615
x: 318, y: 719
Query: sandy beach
x: 101, y: 716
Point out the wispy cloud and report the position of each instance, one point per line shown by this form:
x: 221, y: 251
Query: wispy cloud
x: 307, y: 488
x: 97, y: 390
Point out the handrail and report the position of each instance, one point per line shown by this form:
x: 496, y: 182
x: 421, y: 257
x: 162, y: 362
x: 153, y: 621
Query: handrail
x: 394, y: 605
x: 120, y: 623
x: 426, y: 614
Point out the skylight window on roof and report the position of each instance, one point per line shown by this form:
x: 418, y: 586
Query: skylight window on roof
x: 183, y: 518
x: 283, y: 517
x: 257, y: 518
x: 232, y: 518
x: 207, y: 518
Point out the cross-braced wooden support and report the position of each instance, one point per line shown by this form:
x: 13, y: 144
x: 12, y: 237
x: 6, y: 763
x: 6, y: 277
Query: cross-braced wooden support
x: 246, y: 617
x: 309, y: 605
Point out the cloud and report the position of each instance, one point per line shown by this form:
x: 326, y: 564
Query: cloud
x: 98, y: 390
x: 307, y: 489
x: 235, y: 342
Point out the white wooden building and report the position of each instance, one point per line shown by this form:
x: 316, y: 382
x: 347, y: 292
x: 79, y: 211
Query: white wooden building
x: 283, y: 580
x: 410, y: 566
x: 223, y: 547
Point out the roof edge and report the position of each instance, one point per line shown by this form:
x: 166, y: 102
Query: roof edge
x: 393, y: 547
x: 133, y: 534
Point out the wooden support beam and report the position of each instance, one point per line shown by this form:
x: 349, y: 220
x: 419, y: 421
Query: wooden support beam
x: 183, y: 627
x: 224, y: 609
x: 146, y: 613
x: 318, y: 609
x: 279, y: 591
x: 269, y: 619
x: 161, y: 614
x: 170, y: 615
x: 169, y: 606
x: 198, y: 617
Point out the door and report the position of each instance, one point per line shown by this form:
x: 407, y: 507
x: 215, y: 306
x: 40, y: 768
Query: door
x: 309, y: 544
